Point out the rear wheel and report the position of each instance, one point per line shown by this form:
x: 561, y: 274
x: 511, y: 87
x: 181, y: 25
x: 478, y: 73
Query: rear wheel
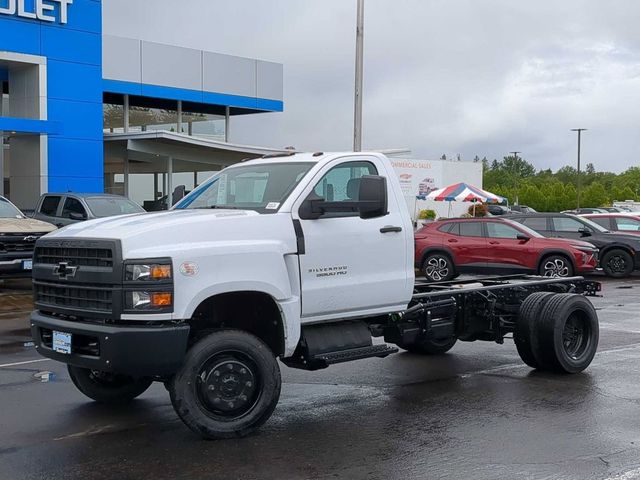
x: 438, y: 267
x: 228, y: 386
x: 107, y: 387
x: 430, y: 346
x: 529, y: 314
x: 617, y: 263
x: 555, y: 266
x: 566, y: 335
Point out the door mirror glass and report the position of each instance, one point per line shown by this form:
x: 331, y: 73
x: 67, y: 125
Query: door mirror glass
x: 584, y: 231
x: 369, y: 191
x: 77, y: 216
x: 523, y: 237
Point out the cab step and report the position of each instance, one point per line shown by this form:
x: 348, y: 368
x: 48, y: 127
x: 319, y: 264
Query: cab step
x: 379, y: 351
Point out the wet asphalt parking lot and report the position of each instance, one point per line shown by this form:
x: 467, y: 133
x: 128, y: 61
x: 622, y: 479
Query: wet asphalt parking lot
x: 477, y: 412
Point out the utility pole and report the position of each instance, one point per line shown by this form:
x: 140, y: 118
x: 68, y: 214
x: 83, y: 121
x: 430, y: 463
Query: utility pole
x: 515, y: 173
x: 357, y: 113
x: 579, y: 130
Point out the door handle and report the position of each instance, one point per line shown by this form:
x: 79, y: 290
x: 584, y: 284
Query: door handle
x: 452, y: 240
x: 390, y: 228
x: 494, y: 243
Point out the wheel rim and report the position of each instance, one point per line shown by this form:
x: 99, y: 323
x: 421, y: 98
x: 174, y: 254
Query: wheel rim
x: 556, y: 267
x: 437, y: 268
x: 228, y: 386
x: 576, y: 336
x: 617, y: 264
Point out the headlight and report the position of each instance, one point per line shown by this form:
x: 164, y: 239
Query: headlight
x: 150, y: 301
x: 148, y: 272
x: 584, y: 248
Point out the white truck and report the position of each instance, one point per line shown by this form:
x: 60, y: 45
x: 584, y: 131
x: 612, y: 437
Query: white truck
x: 302, y: 257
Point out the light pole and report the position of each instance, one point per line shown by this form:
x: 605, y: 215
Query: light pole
x: 579, y: 130
x: 357, y: 112
x: 515, y: 173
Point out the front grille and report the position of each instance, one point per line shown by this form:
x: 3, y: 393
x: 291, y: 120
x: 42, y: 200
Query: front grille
x: 80, y: 256
x: 96, y: 298
x: 18, y: 242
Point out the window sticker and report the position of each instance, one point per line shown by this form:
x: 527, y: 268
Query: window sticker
x: 272, y: 205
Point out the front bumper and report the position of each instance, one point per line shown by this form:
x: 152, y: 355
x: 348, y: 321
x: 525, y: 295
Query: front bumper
x: 125, y: 349
x: 14, y: 267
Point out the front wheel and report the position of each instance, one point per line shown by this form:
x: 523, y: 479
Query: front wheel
x: 617, y: 263
x: 228, y: 386
x: 107, y: 387
x: 438, y: 267
x: 555, y: 266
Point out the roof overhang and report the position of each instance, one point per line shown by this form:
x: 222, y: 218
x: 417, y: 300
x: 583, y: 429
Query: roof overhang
x: 147, y: 146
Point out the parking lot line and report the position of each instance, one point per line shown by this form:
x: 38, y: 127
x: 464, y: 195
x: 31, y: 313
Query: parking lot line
x: 25, y: 363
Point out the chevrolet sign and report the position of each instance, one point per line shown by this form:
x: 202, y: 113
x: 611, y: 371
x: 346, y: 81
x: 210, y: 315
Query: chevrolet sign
x: 42, y: 9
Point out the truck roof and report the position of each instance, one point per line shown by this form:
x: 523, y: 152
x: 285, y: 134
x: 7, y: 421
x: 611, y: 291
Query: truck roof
x: 311, y: 157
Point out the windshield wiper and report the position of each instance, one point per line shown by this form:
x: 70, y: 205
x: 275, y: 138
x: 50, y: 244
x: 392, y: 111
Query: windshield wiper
x: 222, y: 207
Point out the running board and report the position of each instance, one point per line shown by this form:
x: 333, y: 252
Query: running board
x: 379, y: 351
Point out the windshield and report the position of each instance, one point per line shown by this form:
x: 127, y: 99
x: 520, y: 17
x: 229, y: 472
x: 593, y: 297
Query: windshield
x: 110, y: 206
x: 594, y: 225
x: 8, y: 210
x: 260, y: 187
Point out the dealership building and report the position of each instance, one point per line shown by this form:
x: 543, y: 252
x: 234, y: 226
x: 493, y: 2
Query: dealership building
x: 86, y: 112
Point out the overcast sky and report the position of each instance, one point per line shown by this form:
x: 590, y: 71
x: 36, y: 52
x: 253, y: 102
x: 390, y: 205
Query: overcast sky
x: 468, y: 77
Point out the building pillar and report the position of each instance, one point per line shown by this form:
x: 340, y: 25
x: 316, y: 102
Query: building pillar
x: 226, y: 124
x: 125, y: 161
x: 179, y: 116
x: 169, y: 182
x: 125, y: 108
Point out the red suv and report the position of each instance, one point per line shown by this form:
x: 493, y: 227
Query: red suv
x: 447, y: 248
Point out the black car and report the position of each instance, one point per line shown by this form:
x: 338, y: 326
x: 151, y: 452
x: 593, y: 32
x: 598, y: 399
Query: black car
x: 498, y: 210
x: 619, y: 253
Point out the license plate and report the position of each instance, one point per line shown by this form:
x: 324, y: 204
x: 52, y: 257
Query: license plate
x: 27, y: 265
x: 62, y: 342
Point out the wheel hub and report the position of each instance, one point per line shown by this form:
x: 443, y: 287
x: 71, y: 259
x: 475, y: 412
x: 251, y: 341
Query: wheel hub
x: 574, y: 338
x: 556, y: 268
x: 437, y: 268
x: 617, y: 264
x: 228, y: 386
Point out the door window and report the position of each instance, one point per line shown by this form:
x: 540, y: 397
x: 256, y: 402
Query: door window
x: 50, y: 205
x: 72, y: 205
x: 535, y: 223
x: 500, y: 230
x: 602, y: 221
x: 471, y: 229
x: 342, y: 182
x: 628, y: 224
x: 567, y: 224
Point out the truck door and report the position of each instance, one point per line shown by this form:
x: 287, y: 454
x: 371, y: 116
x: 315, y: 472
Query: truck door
x: 351, y: 265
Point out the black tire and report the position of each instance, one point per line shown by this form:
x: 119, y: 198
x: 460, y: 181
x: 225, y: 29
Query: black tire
x: 430, y: 346
x: 107, y: 387
x: 228, y: 385
x: 555, y: 266
x: 565, y: 338
x: 617, y: 263
x: 529, y: 314
x: 438, y: 267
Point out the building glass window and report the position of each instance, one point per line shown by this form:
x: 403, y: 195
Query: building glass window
x: 112, y: 118
x: 142, y: 119
x: 203, y: 125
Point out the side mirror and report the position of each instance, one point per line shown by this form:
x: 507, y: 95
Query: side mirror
x: 373, y: 196
x: 584, y: 231
x: 371, y: 203
x: 523, y: 237
x: 77, y: 216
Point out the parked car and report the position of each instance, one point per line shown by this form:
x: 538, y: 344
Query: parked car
x: 447, y: 248
x: 581, y: 211
x: 498, y: 210
x: 615, y: 209
x: 18, y: 235
x: 63, y: 209
x: 617, y: 222
x: 522, y: 209
x: 619, y: 253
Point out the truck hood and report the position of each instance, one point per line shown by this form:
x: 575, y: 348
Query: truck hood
x: 24, y: 225
x: 173, y: 230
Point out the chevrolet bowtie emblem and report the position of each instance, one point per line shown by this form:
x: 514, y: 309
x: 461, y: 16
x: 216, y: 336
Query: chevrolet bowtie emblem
x: 64, y: 270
